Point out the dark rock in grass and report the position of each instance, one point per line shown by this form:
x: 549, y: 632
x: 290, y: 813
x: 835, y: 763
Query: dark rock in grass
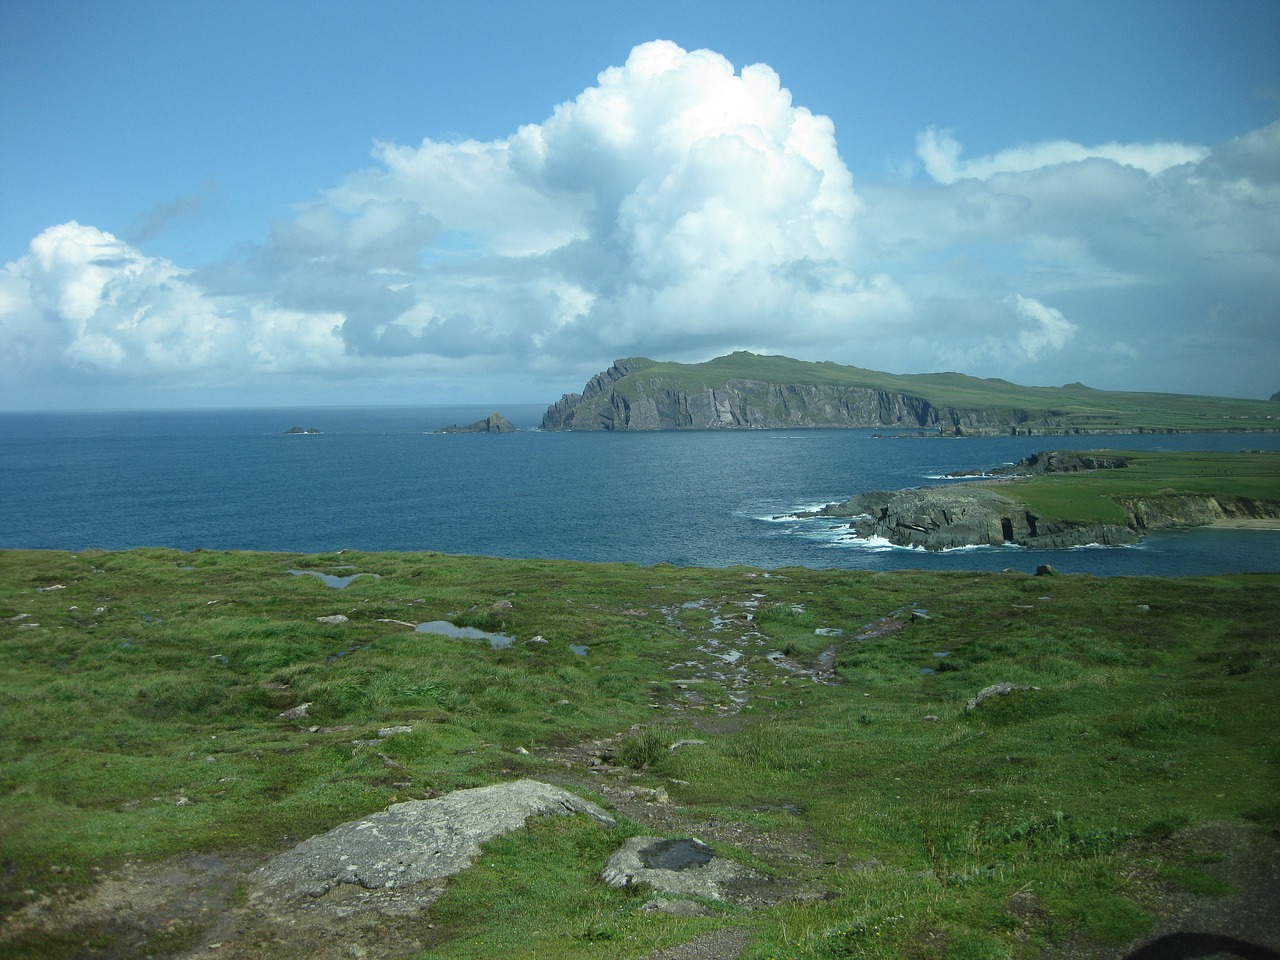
x: 1046, y: 570
x: 684, y: 868
x: 422, y: 840
x: 995, y: 690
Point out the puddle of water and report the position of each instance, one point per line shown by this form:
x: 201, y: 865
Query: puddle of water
x: 675, y: 855
x: 329, y: 580
x: 497, y: 641
x: 579, y: 649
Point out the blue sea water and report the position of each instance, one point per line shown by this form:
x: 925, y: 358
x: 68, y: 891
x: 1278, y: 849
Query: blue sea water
x: 378, y: 479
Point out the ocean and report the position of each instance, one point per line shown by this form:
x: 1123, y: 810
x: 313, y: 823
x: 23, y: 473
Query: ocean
x: 377, y: 478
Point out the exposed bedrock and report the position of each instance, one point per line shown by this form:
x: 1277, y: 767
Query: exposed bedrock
x: 950, y: 517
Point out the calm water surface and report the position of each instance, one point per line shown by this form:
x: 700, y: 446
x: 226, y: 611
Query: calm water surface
x: 378, y: 479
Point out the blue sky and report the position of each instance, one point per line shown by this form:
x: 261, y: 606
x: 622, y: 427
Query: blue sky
x: 226, y: 203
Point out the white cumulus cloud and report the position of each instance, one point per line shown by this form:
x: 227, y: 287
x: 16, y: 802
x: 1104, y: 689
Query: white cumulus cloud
x: 108, y: 308
x: 682, y: 208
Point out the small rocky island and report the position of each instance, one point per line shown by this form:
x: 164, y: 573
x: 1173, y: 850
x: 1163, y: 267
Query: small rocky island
x: 493, y: 423
x: 293, y: 431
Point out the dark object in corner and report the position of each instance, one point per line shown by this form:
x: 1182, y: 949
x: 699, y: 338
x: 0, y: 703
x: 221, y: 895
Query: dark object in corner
x: 1184, y: 946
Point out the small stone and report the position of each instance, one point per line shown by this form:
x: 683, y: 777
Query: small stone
x: 392, y: 731
x: 296, y: 713
x: 995, y: 690
x: 335, y: 618
x: 1046, y: 570
x: 931, y: 718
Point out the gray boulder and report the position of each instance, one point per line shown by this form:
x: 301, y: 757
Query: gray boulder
x: 683, y: 868
x: 422, y: 840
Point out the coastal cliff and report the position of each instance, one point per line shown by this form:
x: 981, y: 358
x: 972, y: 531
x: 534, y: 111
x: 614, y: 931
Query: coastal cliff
x: 745, y: 391
x: 623, y: 397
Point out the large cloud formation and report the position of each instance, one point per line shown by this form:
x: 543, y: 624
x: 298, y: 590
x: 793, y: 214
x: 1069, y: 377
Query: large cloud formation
x: 681, y: 209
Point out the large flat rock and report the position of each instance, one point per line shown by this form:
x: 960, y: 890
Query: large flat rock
x: 419, y: 841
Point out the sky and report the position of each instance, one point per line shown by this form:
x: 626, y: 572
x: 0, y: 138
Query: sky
x: 221, y: 204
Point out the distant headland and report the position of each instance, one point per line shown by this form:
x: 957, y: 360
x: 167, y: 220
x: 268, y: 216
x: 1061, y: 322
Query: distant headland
x: 746, y: 391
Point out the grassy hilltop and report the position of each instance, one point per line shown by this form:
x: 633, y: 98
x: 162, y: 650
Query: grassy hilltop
x: 141, y: 696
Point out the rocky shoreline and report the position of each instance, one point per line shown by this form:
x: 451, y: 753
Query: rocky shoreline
x: 975, y: 514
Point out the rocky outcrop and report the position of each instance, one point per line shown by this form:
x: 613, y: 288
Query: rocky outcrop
x: 597, y: 394
x: 944, y: 518
x: 411, y: 843
x: 1171, y: 511
x: 1064, y: 461
x: 493, y: 423
x: 689, y: 868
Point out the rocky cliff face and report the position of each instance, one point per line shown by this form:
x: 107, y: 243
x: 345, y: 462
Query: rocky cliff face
x: 943, y: 518
x: 962, y: 516
x: 655, y: 404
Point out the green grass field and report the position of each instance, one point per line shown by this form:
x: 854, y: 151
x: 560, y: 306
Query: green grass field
x: 140, y: 695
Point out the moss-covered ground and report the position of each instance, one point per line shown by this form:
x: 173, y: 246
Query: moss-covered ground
x: 141, y: 693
